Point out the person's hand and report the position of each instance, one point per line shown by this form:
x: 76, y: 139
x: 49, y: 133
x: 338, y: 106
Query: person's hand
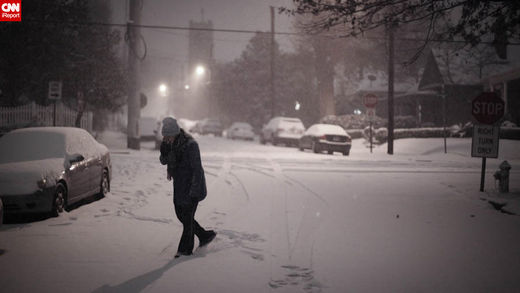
x: 164, y: 149
x: 168, y: 176
x: 169, y: 139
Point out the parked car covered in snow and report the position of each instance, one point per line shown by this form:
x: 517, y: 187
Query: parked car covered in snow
x: 240, y: 130
x: 326, y: 137
x: 284, y: 130
x: 208, y: 126
x: 45, y: 169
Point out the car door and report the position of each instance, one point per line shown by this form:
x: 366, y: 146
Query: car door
x: 94, y: 163
x: 78, y: 178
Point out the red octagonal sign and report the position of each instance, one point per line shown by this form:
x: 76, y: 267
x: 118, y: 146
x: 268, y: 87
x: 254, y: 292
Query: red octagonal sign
x: 487, y: 108
x: 370, y: 100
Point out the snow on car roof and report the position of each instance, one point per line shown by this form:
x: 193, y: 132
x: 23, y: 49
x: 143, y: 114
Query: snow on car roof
x: 37, y: 143
x: 320, y: 129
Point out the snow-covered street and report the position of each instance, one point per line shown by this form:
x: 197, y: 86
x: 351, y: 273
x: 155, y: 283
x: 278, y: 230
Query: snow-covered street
x: 287, y: 221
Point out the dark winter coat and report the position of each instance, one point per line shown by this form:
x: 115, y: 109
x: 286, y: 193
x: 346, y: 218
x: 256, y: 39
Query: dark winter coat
x: 184, y: 165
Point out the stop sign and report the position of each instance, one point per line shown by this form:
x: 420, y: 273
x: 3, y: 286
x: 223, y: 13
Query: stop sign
x: 488, y: 108
x: 370, y: 100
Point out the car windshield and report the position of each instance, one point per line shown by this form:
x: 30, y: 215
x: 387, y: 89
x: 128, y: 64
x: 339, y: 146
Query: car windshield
x: 242, y: 125
x: 31, y: 146
x: 291, y: 123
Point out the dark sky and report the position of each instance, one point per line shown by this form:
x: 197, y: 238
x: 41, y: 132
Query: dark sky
x: 225, y: 14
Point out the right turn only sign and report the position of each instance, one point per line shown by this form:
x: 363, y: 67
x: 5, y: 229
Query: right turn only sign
x: 485, y: 141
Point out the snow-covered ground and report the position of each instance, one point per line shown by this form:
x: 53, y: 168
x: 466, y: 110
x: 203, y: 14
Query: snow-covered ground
x: 287, y: 221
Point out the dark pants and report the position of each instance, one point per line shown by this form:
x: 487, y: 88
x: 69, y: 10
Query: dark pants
x: 186, y: 214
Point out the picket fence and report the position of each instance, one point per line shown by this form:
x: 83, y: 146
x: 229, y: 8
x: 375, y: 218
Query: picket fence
x: 35, y: 115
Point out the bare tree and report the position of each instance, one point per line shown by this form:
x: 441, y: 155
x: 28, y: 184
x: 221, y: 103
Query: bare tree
x: 469, y: 21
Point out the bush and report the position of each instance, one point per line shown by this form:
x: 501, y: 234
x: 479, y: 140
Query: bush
x: 351, y: 121
x: 405, y: 122
x: 379, y: 135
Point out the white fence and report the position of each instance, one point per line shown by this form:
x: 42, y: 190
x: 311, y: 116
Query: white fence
x: 36, y: 115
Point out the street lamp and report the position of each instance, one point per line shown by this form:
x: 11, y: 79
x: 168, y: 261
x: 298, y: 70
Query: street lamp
x: 200, y: 70
x: 163, y: 90
x: 297, y: 106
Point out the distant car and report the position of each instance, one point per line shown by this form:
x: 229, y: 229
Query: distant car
x: 45, y: 169
x: 209, y: 126
x: 284, y: 130
x: 326, y: 137
x: 240, y: 130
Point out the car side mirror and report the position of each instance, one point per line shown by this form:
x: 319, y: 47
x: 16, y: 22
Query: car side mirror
x: 75, y: 158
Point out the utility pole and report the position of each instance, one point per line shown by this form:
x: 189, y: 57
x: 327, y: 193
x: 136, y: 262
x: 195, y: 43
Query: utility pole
x: 134, y: 84
x: 273, y: 100
x: 390, y: 150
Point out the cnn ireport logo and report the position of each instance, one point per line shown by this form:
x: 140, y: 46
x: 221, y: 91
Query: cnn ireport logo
x: 10, y: 10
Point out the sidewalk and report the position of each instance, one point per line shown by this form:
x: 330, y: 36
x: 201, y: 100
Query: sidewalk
x: 508, y: 203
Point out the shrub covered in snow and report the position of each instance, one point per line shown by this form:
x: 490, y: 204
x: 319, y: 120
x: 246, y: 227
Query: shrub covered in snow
x: 379, y: 135
x: 351, y: 121
x: 508, y: 123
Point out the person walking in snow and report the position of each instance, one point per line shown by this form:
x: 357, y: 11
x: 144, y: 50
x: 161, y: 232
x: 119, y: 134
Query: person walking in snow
x: 180, y: 152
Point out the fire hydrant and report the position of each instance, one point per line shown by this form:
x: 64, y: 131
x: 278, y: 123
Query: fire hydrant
x: 502, y: 176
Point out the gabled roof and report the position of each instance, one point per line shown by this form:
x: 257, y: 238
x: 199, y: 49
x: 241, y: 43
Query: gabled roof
x: 460, y: 67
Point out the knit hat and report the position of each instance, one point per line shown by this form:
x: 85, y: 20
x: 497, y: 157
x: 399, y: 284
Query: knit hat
x: 170, y: 127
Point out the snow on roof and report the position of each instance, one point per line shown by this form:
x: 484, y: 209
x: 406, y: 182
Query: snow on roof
x: 415, y: 91
x: 380, y: 83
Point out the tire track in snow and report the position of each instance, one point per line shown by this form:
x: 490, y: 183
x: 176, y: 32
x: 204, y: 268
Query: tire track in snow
x: 297, y: 270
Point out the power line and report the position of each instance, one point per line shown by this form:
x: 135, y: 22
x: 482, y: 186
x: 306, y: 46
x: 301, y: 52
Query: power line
x: 165, y: 27
x: 157, y: 27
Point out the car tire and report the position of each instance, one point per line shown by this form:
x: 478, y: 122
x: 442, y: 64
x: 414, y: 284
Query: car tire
x: 59, y: 202
x: 329, y: 152
x: 315, y: 148
x: 262, y: 140
x: 300, y: 148
x: 104, y: 188
x: 346, y: 153
x: 274, y: 141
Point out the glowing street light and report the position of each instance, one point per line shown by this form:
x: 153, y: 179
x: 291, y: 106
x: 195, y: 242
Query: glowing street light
x: 297, y: 106
x: 200, y: 70
x: 163, y: 89
x: 186, y: 86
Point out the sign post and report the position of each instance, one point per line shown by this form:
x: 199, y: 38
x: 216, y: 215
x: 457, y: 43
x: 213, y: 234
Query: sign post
x: 370, y: 101
x: 54, y: 94
x: 487, y: 108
